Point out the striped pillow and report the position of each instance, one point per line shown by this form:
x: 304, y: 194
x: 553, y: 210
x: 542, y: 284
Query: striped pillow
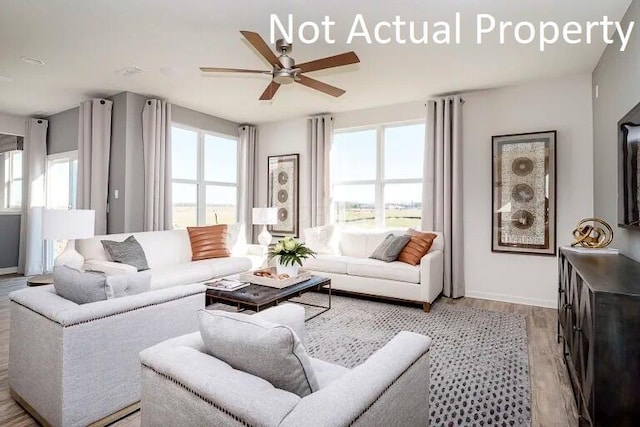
x: 417, y: 247
x: 208, y: 242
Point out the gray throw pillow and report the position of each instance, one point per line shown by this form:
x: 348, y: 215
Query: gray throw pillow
x: 127, y: 284
x: 79, y: 286
x: 267, y: 350
x: 389, y: 250
x: 127, y: 252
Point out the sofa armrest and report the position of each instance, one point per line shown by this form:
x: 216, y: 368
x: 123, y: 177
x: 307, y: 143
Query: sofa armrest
x: 257, y: 250
x: 431, y: 275
x: 182, y: 385
x: 46, y: 302
x: 390, y: 388
x: 109, y: 268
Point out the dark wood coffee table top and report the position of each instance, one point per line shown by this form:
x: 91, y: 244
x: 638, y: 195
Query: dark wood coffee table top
x: 258, y: 296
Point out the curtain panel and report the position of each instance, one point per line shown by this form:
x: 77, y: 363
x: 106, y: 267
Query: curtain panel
x: 442, y: 190
x: 34, y: 157
x: 248, y: 184
x: 94, y: 147
x: 156, y: 137
x: 320, y: 134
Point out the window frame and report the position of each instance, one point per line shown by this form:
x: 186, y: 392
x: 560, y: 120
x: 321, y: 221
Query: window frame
x: 380, y: 181
x: 5, y: 188
x: 200, y: 182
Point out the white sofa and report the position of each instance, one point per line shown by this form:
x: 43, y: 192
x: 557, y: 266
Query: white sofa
x: 352, y: 270
x: 169, y: 255
x: 76, y: 365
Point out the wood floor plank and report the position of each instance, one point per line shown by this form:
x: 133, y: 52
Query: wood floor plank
x: 552, y: 403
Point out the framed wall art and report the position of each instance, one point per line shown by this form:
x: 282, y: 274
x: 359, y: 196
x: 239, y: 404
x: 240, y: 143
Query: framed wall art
x: 524, y: 193
x: 284, y: 193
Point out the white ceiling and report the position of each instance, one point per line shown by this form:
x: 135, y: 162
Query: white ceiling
x: 83, y: 43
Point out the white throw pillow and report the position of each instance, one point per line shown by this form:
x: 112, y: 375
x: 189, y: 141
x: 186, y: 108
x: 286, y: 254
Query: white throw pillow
x: 267, y: 350
x: 323, y: 240
x: 237, y: 239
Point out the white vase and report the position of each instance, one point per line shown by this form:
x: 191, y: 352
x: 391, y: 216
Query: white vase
x: 291, y: 270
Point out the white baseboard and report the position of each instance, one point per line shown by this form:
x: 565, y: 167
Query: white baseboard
x: 8, y: 270
x: 538, y: 302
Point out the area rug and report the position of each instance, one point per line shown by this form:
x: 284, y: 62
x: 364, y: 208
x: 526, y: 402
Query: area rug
x: 479, y: 359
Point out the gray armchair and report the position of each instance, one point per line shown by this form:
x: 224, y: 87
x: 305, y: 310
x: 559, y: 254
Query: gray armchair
x: 184, y: 385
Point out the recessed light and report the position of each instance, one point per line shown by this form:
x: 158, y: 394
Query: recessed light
x: 31, y: 60
x: 5, y: 79
x: 129, y: 71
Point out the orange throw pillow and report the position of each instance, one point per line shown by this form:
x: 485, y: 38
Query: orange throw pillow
x: 208, y: 242
x: 417, y: 247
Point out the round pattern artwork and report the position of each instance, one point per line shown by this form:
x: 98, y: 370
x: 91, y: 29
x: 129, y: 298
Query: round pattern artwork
x: 522, y: 193
x: 522, y: 219
x: 283, y: 214
x: 283, y: 178
x: 522, y: 166
x: 283, y: 196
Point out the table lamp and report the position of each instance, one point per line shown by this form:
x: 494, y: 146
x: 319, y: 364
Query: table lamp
x: 264, y: 217
x: 58, y: 224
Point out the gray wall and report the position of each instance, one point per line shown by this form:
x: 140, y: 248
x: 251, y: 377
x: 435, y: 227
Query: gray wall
x: 9, y: 240
x: 185, y: 116
x: 616, y: 77
x: 62, y: 134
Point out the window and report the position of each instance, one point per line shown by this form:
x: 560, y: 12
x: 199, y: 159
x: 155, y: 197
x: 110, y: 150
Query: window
x: 62, y: 179
x: 11, y: 190
x: 205, y: 177
x: 376, y: 176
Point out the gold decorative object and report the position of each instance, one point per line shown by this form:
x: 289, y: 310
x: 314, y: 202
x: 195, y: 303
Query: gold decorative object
x: 596, y: 235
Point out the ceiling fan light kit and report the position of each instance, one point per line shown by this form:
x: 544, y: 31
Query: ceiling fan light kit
x: 285, y: 71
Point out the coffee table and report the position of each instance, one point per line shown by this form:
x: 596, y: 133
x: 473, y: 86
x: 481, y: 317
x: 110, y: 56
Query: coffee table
x: 258, y: 297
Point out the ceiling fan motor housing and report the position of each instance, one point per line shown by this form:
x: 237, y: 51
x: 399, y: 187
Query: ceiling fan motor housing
x: 287, y: 74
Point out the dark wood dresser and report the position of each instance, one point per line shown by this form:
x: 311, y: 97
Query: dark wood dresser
x: 599, y: 324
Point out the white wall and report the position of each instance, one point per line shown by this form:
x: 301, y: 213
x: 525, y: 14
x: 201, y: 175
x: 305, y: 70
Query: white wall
x: 560, y: 104
x: 563, y: 105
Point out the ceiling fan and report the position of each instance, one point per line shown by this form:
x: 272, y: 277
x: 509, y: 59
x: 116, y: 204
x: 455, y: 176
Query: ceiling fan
x: 285, y: 70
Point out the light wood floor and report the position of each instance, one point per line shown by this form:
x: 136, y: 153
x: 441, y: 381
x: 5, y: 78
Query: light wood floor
x: 552, y: 399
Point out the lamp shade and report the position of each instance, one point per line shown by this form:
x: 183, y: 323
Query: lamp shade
x: 265, y: 216
x: 59, y: 224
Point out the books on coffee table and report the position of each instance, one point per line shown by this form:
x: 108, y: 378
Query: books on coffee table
x: 226, y: 285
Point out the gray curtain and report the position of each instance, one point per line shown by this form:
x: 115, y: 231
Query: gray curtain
x: 94, y: 147
x: 442, y: 189
x: 156, y: 141
x: 34, y: 157
x: 248, y: 136
x: 320, y: 134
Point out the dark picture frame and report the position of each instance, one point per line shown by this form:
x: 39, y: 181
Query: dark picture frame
x: 523, y: 219
x: 284, y: 193
x: 629, y: 170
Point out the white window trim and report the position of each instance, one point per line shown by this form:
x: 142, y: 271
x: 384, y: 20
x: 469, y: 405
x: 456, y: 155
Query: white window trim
x: 200, y: 182
x: 6, y: 195
x: 379, y: 182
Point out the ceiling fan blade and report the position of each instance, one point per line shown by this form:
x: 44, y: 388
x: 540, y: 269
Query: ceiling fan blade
x: 262, y: 47
x: 329, y: 62
x: 322, y: 87
x: 231, y: 70
x: 270, y: 91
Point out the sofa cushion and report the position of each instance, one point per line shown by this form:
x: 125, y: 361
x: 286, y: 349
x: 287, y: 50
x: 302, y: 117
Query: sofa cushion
x: 398, y: 271
x: 179, y: 275
x: 361, y: 244
x: 267, y: 350
x: 390, y: 248
x: 219, y: 267
x: 128, y: 252
x: 326, y: 372
x: 208, y: 242
x: 327, y: 263
x: 81, y: 287
x: 418, y: 246
x: 129, y: 283
x: 323, y: 240
x: 237, y: 239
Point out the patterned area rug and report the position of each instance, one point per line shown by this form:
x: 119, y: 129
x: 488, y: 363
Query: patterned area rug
x: 479, y: 359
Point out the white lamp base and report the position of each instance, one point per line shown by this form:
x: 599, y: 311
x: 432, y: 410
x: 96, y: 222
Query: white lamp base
x: 70, y: 257
x: 264, y: 238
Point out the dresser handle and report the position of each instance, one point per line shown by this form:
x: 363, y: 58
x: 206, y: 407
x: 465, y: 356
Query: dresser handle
x: 576, y: 329
x: 561, y: 291
x: 567, y: 306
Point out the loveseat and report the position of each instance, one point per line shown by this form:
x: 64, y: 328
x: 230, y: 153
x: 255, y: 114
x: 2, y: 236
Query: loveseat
x: 169, y: 256
x: 350, y: 268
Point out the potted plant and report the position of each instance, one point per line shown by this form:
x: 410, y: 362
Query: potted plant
x: 290, y: 255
